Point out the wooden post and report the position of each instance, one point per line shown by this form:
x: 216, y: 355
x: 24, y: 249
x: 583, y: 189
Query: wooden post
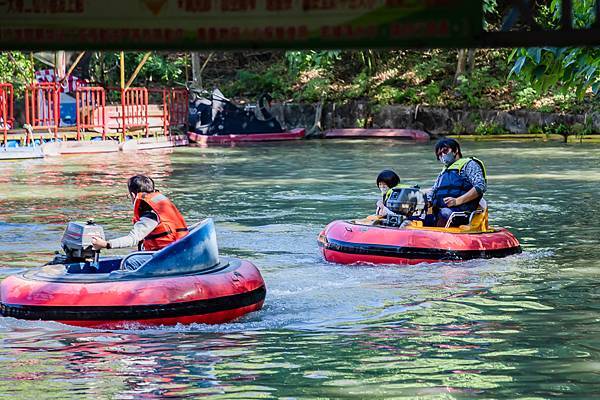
x: 32, y: 77
x: 124, y: 119
x: 122, y: 70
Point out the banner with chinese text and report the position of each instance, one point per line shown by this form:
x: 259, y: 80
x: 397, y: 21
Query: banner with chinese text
x: 222, y: 24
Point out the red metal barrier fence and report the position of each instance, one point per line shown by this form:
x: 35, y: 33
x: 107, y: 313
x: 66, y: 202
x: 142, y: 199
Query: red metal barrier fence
x: 91, y: 110
x: 6, y: 109
x: 134, y: 109
x: 42, y: 109
x: 178, y: 108
x: 42, y: 106
x: 162, y: 95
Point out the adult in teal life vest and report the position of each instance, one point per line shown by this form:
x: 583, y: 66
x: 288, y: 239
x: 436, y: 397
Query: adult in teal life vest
x: 459, y: 187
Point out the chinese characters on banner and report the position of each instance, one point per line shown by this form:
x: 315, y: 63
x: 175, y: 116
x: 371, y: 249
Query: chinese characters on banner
x: 135, y: 24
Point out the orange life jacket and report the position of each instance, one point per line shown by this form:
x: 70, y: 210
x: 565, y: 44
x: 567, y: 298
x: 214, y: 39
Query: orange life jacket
x: 171, y: 225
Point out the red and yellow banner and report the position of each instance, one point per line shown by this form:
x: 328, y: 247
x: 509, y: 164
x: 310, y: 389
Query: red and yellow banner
x: 203, y: 24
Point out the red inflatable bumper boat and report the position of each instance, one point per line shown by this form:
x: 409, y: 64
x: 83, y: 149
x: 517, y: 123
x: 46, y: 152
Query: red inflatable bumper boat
x: 185, y: 282
x: 294, y: 134
x: 367, y: 241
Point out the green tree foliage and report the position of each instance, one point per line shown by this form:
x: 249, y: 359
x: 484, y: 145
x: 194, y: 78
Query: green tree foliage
x: 159, y: 70
x: 490, y: 11
x: 299, y: 61
x: 312, y: 72
x: 563, y: 68
x: 253, y: 84
x: 16, y: 68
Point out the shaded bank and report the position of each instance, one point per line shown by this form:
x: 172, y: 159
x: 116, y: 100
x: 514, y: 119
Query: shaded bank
x: 440, y: 121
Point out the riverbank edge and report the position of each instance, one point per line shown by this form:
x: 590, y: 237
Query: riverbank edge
x: 595, y: 138
x: 476, y: 124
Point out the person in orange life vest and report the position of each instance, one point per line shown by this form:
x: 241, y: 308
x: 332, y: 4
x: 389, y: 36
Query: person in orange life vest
x: 156, y: 222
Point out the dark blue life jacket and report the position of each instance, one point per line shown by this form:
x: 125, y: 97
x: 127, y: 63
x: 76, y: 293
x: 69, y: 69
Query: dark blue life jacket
x: 451, y: 183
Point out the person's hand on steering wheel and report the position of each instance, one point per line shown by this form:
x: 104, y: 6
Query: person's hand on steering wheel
x: 99, y: 243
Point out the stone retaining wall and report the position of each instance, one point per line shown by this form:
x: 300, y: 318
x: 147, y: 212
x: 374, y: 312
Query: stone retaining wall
x: 437, y: 121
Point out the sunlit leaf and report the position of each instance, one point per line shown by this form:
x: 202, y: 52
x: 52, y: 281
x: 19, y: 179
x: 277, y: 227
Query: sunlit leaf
x: 535, y: 54
x: 516, y: 69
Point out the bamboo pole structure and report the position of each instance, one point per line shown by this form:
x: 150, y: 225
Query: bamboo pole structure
x: 79, y: 57
x: 122, y: 70
x: 138, y: 69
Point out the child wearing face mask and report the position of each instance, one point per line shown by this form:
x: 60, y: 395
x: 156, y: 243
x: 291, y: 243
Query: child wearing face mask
x: 156, y: 222
x: 386, y: 181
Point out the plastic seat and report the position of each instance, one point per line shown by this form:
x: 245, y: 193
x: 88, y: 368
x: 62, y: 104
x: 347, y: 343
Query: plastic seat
x: 471, y: 216
x: 197, y: 251
x: 135, y: 253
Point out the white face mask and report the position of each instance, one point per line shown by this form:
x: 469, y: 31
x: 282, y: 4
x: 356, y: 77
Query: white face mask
x: 383, y: 188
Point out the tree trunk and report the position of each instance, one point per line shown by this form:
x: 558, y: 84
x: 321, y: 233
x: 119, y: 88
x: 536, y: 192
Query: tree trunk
x: 187, y: 69
x: 471, y: 61
x: 241, y: 59
x: 102, y: 67
x: 196, y: 70
x: 460, y: 65
x: 317, y: 128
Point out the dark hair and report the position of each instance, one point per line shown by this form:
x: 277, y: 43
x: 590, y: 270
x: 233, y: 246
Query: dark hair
x: 140, y: 184
x: 450, y: 143
x: 389, y: 177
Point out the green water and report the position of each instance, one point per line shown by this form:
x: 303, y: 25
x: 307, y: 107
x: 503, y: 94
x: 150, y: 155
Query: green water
x: 523, y: 327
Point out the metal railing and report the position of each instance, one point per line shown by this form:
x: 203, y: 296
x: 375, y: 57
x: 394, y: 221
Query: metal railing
x: 178, y: 108
x: 6, y: 109
x: 168, y: 111
x: 42, y: 106
x: 162, y: 95
x: 91, y: 110
x: 134, y: 109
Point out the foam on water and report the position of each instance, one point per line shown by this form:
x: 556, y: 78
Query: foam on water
x: 317, y: 296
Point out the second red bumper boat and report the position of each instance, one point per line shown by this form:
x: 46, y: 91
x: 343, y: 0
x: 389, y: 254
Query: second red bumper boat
x: 186, y: 282
x: 373, y: 241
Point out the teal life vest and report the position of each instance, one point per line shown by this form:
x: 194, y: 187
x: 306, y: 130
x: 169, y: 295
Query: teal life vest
x: 452, y: 183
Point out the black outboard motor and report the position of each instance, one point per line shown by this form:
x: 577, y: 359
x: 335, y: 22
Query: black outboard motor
x: 217, y: 115
x: 405, y: 203
x: 232, y: 119
x: 200, y: 110
x: 77, y: 244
